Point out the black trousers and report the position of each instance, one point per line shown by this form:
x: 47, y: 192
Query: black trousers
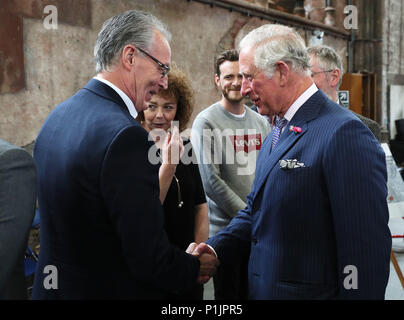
x: 231, y: 279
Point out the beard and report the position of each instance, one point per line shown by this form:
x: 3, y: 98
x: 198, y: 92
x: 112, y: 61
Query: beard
x: 232, y: 99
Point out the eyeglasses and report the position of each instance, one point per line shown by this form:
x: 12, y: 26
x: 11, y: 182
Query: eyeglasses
x: 315, y: 73
x: 165, y: 68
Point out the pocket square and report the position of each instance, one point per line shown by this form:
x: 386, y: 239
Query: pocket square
x: 289, y: 164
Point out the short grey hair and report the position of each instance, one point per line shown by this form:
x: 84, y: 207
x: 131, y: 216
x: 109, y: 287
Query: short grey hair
x: 328, y: 59
x: 131, y: 27
x: 275, y: 43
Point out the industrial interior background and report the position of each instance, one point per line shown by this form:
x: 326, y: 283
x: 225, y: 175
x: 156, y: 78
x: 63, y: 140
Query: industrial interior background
x: 41, y: 67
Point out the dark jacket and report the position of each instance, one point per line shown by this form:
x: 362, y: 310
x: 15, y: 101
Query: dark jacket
x: 319, y: 228
x: 17, y: 208
x: 101, y: 217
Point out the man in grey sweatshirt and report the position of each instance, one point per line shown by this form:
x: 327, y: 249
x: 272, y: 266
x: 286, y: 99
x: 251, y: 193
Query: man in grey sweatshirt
x: 226, y: 138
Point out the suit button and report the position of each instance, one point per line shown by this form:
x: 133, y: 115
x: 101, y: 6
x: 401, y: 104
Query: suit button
x: 254, y: 241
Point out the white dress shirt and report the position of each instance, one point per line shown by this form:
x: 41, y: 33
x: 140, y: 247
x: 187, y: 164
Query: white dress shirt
x: 298, y: 103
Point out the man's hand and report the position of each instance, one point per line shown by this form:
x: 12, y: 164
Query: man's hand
x: 198, y: 249
x: 207, y: 258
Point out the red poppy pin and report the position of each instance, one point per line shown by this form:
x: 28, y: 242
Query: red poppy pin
x: 295, y: 129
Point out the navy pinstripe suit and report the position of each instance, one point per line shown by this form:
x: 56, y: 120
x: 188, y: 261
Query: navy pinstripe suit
x: 307, y: 225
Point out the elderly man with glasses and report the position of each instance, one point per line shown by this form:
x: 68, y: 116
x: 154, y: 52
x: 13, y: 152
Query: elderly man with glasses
x: 326, y: 72
x: 101, y: 217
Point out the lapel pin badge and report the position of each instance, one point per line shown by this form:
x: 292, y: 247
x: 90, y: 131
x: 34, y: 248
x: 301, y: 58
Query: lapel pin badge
x: 294, y: 129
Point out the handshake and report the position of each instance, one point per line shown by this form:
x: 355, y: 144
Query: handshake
x: 207, y: 258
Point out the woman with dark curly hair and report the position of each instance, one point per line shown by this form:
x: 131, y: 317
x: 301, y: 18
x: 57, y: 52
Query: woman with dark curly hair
x: 181, y: 190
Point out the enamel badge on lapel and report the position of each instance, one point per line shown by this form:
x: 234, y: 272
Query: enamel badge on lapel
x: 290, y: 164
x: 294, y: 129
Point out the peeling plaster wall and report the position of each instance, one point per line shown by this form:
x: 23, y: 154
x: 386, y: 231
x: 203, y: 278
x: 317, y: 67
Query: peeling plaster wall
x: 394, y: 44
x: 60, y: 62
x: 57, y: 63
x: 393, y: 63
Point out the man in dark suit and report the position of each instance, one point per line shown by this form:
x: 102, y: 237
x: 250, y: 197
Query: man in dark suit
x: 326, y: 71
x: 316, y: 218
x: 101, y: 218
x: 17, y: 208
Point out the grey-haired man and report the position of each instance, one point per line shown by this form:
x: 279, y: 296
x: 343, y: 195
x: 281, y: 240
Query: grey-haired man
x: 316, y: 218
x: 326, y: 71
x: 101, y: 217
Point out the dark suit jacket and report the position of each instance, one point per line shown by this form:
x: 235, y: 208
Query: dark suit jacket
x: 17, y: 208
x: 372, y: 125
x: 101, y: 217
x: 307, y: 226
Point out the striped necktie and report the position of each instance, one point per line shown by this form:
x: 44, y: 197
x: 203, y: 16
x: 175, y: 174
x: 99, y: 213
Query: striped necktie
x: 280, y: 123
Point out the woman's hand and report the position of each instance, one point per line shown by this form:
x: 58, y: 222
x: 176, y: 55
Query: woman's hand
x: 173, y: 147
x: 171, y: 151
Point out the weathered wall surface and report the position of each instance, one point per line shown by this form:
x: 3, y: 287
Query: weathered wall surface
x: 394, y: 36
x: 393, y: 63
x: 59, y: 62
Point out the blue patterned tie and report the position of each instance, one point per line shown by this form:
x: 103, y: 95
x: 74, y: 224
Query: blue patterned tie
x: 280, y: 123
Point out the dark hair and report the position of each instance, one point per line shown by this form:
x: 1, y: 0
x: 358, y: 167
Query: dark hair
x: 228, y: 55
x: 179, y: 88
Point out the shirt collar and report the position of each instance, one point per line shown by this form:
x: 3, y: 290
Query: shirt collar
x: 129, y: 104
x: 300, y: 101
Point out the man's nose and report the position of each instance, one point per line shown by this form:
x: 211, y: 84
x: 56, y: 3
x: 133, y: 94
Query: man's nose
x: 245, y: 88
x: 164, y: 82
x: 236, y: 82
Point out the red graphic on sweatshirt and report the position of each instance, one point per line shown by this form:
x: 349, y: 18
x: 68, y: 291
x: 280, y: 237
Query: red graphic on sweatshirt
x: 247, y: 142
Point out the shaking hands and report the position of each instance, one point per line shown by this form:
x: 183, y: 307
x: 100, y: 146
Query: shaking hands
x: 207, y: 258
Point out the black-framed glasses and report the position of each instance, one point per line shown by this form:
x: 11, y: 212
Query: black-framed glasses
x: 325, y: 71
x: 165, y: 68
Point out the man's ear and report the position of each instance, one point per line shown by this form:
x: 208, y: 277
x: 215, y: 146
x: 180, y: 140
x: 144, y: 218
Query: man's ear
x: 333, y: 77
x: 284, y: 72
x: 128, y: 56
x: 217, y: 79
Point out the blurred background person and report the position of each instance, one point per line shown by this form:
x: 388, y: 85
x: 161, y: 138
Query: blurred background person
x: 18, y: 188
x: 231, y: 130
x: 181, y: 190
x: 326, y: 72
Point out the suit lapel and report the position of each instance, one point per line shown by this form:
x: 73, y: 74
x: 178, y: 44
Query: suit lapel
x: 286, y: 141
x: 105, y: 91
x: 268, y: 160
